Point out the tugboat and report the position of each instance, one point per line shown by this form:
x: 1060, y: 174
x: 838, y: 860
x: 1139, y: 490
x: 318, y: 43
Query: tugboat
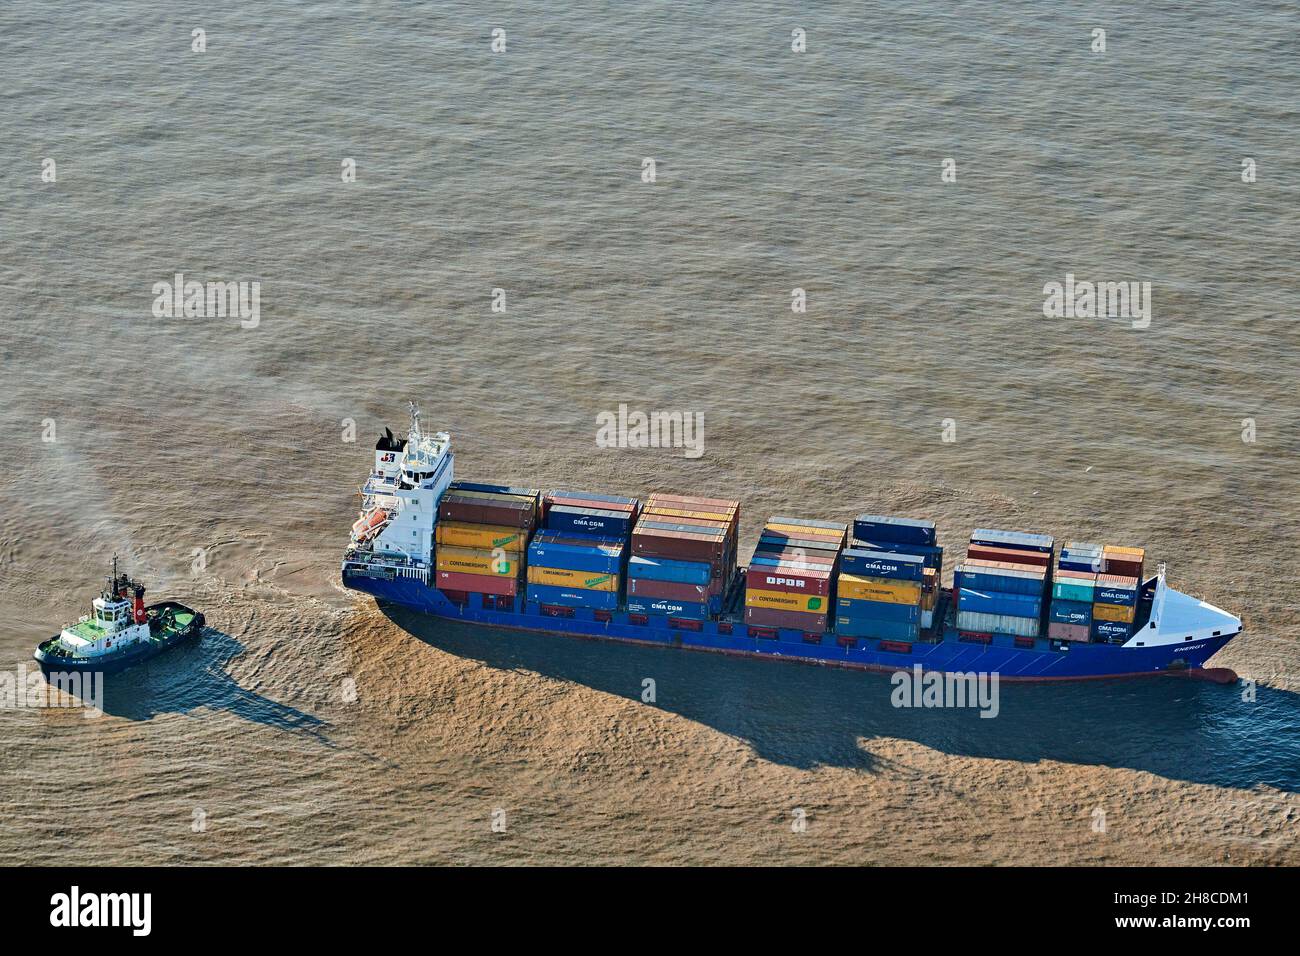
x: 119, y: 632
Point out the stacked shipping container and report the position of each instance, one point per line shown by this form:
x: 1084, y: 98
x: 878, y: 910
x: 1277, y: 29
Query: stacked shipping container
x: 1001, y: 585
x: 889, y: 583
x: 1073, y: 585
x: 791, y: 577
x: 481, y: 535
x: 1116, y: 596
x: 579, y: 559
x: 683, y: 556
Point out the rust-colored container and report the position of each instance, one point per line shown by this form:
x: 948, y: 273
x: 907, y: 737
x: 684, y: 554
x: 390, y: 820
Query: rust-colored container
x: 502, y: 511
x: 988, y: 552
x: 805, y: 621
x: 1068, y: 632
x: 476, y: 583
x: 1123, y: 561
x: 794, y: 580
x: 600, y: 504
x: 667, y: 590
x: 649, y: 542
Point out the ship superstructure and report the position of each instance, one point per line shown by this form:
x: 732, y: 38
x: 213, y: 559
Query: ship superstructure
x: 399, y: 502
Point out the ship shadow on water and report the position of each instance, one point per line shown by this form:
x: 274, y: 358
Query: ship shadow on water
x: 806, y: 716
x: 193, y: 677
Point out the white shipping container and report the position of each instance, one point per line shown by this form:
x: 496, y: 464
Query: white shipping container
x: 997, y: 624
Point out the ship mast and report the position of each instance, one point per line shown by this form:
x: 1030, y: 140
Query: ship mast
x: 413, y: 435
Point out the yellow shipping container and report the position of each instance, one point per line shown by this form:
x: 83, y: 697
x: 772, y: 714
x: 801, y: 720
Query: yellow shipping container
x: 785, y: 601
x: 929, y: 599
x: 1137, y: 554
x: 682, y: 513
x: 462, y: 534
x: 478, y: 561
x: 583, y: 580
x: 1113, y: 612
x: 858, y: 588
x: 797, y: 530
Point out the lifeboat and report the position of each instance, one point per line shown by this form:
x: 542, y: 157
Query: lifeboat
x: 368, y: 525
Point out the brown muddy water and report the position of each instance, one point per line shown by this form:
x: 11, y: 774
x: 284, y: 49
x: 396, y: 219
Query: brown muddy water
x: 310, y: 727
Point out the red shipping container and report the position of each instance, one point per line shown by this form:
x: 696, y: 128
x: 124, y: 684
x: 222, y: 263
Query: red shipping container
x: 727, y: 510
x: 795, y: 557
x: 764, y: 578
x: 669, y: 590
x: 504, y: 513
x: 1067, y: 632
x: 1067, y: 574
x: 681, y: 545
x: 1004, y: 566
x: 804, y: 621
x: 477, y: 583
x: 1128, y: 569
x: 570, y: 501
x: 1009, y: 555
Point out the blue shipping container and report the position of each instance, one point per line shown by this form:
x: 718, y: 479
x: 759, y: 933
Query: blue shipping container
x: 493, y: 489
x: 570, y: 519
x: 994, y: 602
x: 666, y: 569
x: 1110, y: 594
x: 1070, y: 612
x: 1003, y: 582
x: 1110, y: 630
x: 1012, y: 539
x: 854, y: 609
x: 881, y: 564
x: 1079, y: 564
x: 571, y: 556
x: 880, y: 630
x: 572, y: 597
x: 933, y: 554
x: 897, y: 530
x: 687, y: 610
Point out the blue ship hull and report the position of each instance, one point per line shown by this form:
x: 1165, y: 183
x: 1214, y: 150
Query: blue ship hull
x: 1046, y: 660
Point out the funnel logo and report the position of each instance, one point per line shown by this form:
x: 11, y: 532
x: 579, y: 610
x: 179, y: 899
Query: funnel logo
x: 103, y: 909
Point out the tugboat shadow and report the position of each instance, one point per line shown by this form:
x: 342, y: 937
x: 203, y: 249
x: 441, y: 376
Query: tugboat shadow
x: 194, y: 676
x: 806, y: 716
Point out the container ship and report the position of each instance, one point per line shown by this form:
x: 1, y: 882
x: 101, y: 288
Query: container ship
x: 865, y: 594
